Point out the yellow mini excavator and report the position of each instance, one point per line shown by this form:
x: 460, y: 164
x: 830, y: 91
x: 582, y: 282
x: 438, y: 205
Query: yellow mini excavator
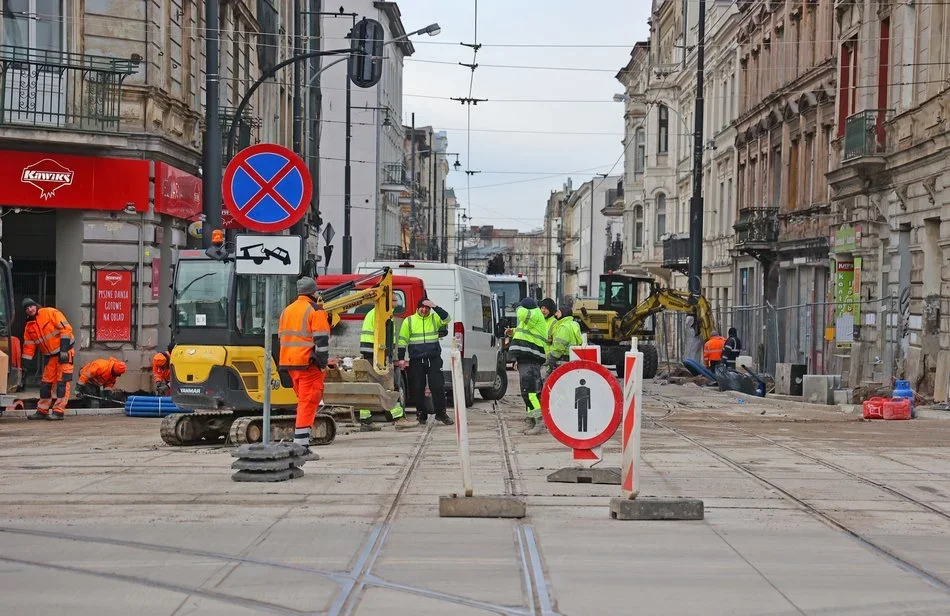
x: 218, y: 359
x: 621, y: 315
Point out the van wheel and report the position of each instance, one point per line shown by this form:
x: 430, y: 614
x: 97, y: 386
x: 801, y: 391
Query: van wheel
x: 470, y: 388
x: 499, y: 386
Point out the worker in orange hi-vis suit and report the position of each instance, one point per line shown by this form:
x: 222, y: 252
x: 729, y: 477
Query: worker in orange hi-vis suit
x: 712, y: 350
x: 162, y: 371
x: 304, y: 333
x: 48, y: 331
x: 99, y: 376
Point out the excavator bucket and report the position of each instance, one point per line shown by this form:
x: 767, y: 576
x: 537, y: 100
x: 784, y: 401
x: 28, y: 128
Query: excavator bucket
x: 362, y: 387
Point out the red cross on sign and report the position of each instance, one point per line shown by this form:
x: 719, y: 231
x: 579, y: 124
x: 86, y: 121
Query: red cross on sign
x: 266, y: 188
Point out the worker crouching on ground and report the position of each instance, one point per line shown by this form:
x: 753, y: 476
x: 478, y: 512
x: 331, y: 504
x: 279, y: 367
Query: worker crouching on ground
x: 528, y: 347
x: 367, y: 340
x: 97, y: 378
x: 304, y: 335
x: 565, y: 333
x: 419, y: 335
x: 48, y: 330
x: 712, y: 350
x: 162, y: 371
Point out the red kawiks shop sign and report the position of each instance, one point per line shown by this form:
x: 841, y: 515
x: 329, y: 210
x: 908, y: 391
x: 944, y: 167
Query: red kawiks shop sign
x: 113, y: 306
x: 43, y: 179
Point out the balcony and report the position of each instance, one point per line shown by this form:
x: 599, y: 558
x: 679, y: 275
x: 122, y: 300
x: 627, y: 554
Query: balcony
x: 613, y: 200
x: 394, y: 178
x: 58, y: 89
x: 865, y: 135
x: 864, y: 150
x: 757, y: 232
x: 676, y: 253
x: 570, y: 266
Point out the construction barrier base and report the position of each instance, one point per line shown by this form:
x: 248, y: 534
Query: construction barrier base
x: 649, y: 508
x: 575, y: 474
x: 481, y: 507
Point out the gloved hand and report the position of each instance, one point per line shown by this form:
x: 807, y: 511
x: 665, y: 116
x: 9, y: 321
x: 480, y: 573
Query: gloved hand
x: 64, y: 357
x: 402, y: 364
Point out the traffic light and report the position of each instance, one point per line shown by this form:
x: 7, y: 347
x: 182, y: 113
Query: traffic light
x: 365, y: 65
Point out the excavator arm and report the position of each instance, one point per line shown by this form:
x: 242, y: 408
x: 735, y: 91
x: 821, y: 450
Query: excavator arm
x: 380, y: 294
x: 668, y: 299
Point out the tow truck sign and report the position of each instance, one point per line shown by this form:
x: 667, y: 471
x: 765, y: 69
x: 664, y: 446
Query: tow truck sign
x: 267, y: 254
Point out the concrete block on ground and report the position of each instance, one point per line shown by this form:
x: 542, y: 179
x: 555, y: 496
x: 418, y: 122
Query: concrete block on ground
x: 481, y: 507
x: 789, y: 379
x: 819, y: 388
x: 651, y: 508
x: 844, y: 396
x: 576, y: 474
x: 268, y: 476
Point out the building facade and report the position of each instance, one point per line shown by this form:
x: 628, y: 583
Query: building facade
x: 589, y: 233
x: 100, y: 158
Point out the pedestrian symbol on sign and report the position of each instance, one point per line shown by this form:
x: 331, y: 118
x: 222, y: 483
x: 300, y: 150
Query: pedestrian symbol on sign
x: 582, y: 404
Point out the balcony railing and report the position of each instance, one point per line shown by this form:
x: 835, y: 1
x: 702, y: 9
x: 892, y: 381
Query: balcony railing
x: 676, y: 253
x: 756, y: 227
x: 58, y: 89
x: 394, y: 174
x: 865, y: 134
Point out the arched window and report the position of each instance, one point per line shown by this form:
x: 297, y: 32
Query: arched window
x: 660, y: 216
x: 663, y: 134
x: 638, y: 226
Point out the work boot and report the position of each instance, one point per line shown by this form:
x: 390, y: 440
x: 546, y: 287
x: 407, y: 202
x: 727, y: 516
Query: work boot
x: 528, y: 424
x: 37, y: 415
x: 422, y: 419
x: 56, y: 416
x: 310, y: 456
x: 539, y: 428
x: 367, y: 425
x: 403, y: 423
x: 445, y: 419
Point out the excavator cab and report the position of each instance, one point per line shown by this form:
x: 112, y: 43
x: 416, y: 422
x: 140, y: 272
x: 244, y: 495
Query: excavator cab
x: 621, y: 293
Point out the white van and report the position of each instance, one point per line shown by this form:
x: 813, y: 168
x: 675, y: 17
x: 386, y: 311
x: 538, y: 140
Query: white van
x: 467, y: 297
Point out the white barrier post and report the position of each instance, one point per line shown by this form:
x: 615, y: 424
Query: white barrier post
x: 632, y: 421
x: 461, y: 417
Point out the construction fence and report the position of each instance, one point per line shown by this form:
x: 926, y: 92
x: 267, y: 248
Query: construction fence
x: 819, y: 334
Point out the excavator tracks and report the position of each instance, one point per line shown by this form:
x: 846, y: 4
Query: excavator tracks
x: 181, y: 429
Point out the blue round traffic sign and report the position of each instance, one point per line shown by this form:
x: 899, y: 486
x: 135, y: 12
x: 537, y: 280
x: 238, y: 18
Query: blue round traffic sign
x: 267, y: 187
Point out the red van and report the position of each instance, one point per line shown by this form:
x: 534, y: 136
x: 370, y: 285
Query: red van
x: 345, y: 338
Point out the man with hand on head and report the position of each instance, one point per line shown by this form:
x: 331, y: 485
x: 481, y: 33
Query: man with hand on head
x: 419, y: 335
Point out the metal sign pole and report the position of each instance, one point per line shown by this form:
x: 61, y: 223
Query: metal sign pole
x: 268, y: 315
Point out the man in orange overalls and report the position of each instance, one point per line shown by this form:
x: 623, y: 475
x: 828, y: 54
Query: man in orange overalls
x: 712, y: 350
x: 99, y: 376
x: 162, y: 371
x: 304, y: 333
x: 48, y: 330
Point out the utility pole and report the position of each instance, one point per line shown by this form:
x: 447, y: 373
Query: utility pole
x: 347, y: 238
x: 299, y: 228
x: 412, y: 188
x: 434, y: 158
x: 696, y: 202
x: 445, y: 228
x: 211, y: 150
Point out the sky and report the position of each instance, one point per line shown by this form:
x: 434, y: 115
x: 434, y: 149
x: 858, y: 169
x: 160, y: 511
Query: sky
x: 518, y: 170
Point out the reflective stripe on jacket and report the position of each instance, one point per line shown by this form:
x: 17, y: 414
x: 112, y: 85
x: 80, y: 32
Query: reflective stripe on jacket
x: 50, y: 331
x: 712, y: 350
x: 368, y: 333
x: 530, y: 339
x: 549, y: 324
x: 99, y: 372
x: 420, y: 335
x: 564, y: 334
x: 304, y: 334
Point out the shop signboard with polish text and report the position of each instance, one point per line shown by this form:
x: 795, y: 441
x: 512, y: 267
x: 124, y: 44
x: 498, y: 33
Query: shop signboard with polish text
x: 113, y: 306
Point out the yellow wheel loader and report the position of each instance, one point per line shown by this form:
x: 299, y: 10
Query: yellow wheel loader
x: 621, y: 314
x: 218, y: 359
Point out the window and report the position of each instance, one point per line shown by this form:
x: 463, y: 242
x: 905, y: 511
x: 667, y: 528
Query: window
x: 721, y: 218
x: 399, y: 306
x: 744, y: 275
x: 663, y: 135
x: 33, y: 23
x: 660, y: 216
x: 810, y: 169
x: 793, y: 176
x: 638, y: 226
x: 729, y: 208
x: 201, y: 293
x: 487, y: 320
x: 249, y: 301
x: 847, y: 82
x: 640, y: 151
x: 776, y: 177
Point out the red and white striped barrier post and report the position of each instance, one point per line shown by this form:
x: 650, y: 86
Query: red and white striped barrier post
x: 632, y: 422
x: 461, y: 418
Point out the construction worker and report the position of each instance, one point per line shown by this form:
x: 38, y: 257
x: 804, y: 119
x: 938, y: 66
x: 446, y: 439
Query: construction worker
x: 419, y: 334
x: 712, y: 350
x: 162, y: 371
x: 565, y: 333
x: 304, y: 335
x: 528, y: 347
x: 98, y: 377
x: 732, y: 348
x: 48, y: 330
x: 548, y: 308
x: 367, y: 341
